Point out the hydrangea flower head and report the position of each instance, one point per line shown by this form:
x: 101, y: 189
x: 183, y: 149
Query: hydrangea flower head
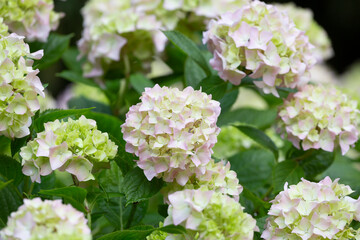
x: 33, y: 19
x: 304, y: 20
x: 72, y: 146
x: 320, y: 117
x: 260, y: 41
x: 37, y: 219
x: 205, y: 8
x: 311, y: 210
x: 210, y: 215
x: 118, y: 30
x: 19, y: 85
x: 218, y: 177
x: 172, y: 132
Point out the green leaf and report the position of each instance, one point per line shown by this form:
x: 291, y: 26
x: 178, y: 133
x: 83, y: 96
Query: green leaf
x: 260, y: 206
x: 138, y: 188
x: 118, y: 214
x: 5, y: 144
x: 111, y: 180
x: 70, y: 58
x: 287, y: 171
x: 16, y: 144
x: 254, y: 169
x: 73, y: 195
x: 260, y: 137
x: 54, y: 48
x: 84, y: 102
x: 313, y: 161
x: 189, y: 48
x: 140, y: 82
x: 76, y: 77
x: 9, y: 202
x: 228, y: 100
x: 4, y: 184
x: 142, y: 233
x: 53, y: 114
x: 249, y: 116
x: 107, y: 123
x: 10, y: 169
x: 213, y: 85
x: 193, y: 73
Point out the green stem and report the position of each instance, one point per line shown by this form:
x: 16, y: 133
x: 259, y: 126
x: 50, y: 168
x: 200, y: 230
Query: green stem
x: 132, y: 214
x: 88, y: 215
x: 123, y: 90
x: 268, y: 193
x: 31, y: 188
x: 121, y: 216
x: 76, y: 182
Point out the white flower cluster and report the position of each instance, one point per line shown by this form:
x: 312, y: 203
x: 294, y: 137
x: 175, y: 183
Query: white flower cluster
x: 320, y: 117
x: 311, y: 210
x: 19, y: 85
x: 172, y: 132
x: 260, y: 41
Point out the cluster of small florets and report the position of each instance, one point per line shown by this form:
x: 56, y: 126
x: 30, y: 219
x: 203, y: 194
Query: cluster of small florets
x: 320, y: 117
x: 72, y: 146
x: 19, y: 85
x: 172, y: 132
x: 37, y: 219
x: 311, y: 210
x: 210, y: 215
x: 218, y: 178
x: 33, y: 19
x: 206, y: 8
x: 114, y: 30
x: 304, y: 20
x: 260, y: 41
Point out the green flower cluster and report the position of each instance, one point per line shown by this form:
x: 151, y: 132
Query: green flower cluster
x: 73, y: 146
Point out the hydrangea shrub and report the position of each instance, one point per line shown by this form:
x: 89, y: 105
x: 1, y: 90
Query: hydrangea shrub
x: 161, y: 137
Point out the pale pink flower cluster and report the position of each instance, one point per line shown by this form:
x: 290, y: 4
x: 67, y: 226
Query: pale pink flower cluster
x: 19, y: 85
x: 37, y: 219
x: 218, y: 177
x: 320, y: 117
x: 311, y: 210
x: 208, y: 215
x: 172, y: 132
x: 112, y: 27
x: 260, y: 41
x: 33, y: 19
x: 73, y: 146
x: 206, y: 8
